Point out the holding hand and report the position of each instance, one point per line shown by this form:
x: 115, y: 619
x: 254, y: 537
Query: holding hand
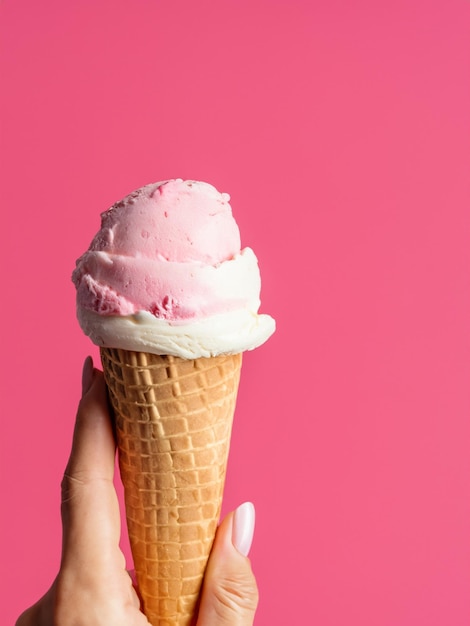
x: 93, y: 587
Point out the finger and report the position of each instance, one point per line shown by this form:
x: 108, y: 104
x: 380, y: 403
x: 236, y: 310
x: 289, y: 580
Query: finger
x: 230, y: 594
x: 90, y: 511
x: 93, y: 447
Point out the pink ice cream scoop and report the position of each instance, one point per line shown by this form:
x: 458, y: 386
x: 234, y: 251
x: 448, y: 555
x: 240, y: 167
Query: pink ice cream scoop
x: 169, y: 255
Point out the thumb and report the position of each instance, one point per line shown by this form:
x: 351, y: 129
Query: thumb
x: 230, y: 594
x: 90, y: 510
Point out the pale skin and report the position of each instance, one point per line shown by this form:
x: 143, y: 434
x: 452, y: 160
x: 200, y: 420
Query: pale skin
x: 93, y: 587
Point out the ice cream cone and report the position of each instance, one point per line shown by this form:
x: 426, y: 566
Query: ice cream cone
x: 166, y: 274
x: 173, y: 422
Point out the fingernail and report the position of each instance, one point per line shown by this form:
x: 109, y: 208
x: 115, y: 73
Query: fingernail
x: 243, y: 527
x: 87, y: 375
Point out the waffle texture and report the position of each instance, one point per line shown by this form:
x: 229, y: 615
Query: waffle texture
x: 173, y: 423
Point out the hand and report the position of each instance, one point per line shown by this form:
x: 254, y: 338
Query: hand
x: 93, y: 587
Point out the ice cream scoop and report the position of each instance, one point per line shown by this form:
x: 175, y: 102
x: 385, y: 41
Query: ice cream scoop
x: 166, y: 274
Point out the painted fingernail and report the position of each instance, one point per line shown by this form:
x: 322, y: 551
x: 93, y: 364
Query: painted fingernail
x: 87, y: 375
x: 243, y: 527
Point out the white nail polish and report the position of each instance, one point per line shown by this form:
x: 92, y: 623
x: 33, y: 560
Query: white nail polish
x: 87, y: 375
x: 243, y: 527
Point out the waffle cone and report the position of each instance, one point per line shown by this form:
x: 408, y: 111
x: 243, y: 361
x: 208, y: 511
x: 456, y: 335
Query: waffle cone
x: 173, y: 422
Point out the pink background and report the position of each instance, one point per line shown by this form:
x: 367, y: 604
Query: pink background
x: 342, y: 132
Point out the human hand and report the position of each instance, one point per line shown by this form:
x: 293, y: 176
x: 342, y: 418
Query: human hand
x: 93, y: 587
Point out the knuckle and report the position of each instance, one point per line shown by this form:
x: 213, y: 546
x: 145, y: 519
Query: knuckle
x: 69, y: 487
x: 235, y: 596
